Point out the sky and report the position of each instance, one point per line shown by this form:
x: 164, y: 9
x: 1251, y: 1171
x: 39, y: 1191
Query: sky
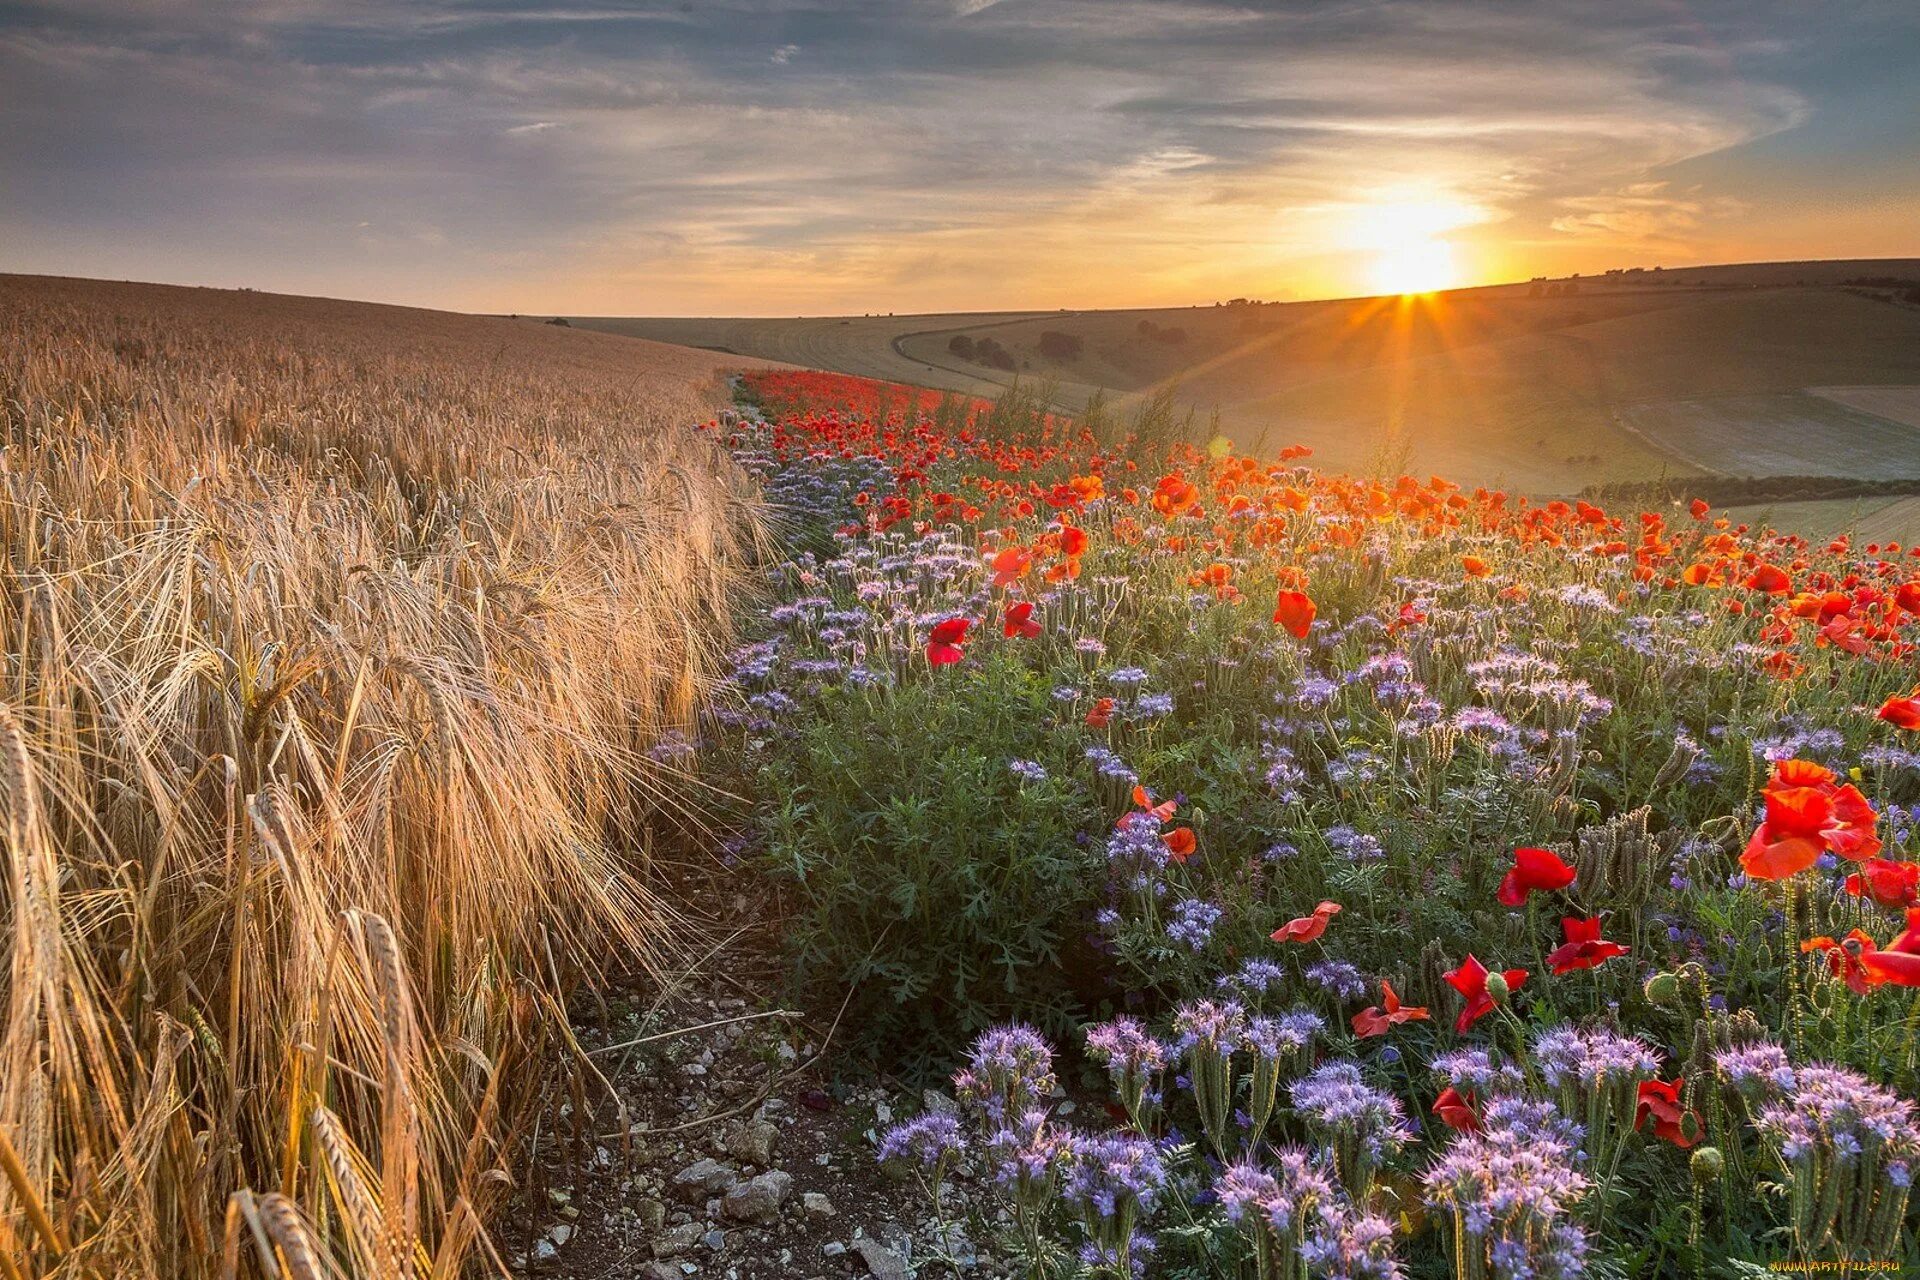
x: 769, y: 157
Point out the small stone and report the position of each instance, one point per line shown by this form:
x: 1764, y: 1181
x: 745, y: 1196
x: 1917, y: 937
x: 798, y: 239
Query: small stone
x: 660, y: 1271
x: 706, y: 1175
x: 882, y: 1113
x: 883, y: 1262
x: 678, y: 1240
x: 560, y: 1234
x: 937, y: 1102
x: 757, y: 1199
x: 543, y: 1252
x: 816, y: 1205
x: 833, y: 1248
x: 716, y: 1240
x: 753, y: 1143
x: 652, y: 1214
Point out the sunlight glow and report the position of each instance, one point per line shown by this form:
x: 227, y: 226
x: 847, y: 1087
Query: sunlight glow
x: 1418, y: 266
x: 1404, y: 232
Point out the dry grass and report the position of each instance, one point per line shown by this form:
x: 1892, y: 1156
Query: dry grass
x: 335, y: 638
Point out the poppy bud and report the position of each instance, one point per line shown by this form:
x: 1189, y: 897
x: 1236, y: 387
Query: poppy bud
x: 1690, y: 1126
x: 1497, y: 987
x: 1707, y: 1164
x: 1663, y: 988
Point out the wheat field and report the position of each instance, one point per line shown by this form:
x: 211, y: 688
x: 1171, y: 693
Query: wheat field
x: 293, y: 587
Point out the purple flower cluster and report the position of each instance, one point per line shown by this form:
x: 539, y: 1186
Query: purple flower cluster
x: 1511, y: 1189
x: 928, y: 1140
x: 1009, y: 1070
x: 1592, y: 1058
x: 1337, y: 1099
x: 1193, y: 922
x: 1113, y: 1173
x: 1849, y: 1147
x: 1300, y: 1222
x: 1756, y: 1070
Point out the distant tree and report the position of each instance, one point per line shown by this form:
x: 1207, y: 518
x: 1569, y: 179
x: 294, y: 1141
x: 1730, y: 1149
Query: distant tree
x: 961, y: 345
x: 561, y: 321
x: 1055, y: 345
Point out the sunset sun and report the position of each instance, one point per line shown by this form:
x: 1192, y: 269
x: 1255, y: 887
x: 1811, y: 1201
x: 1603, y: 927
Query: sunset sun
x: 1403, y: 237
x: 1418, y: 266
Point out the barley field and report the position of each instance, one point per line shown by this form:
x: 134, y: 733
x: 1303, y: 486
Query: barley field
x: 293, y: 588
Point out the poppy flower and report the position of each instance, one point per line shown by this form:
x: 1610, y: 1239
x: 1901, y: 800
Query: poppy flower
x: 1660, y: 1103
x: 1474, y: 567
x: 1019, y: 620
x: 943, y: 646
x: 1899, y: 961
x: 1846, y: 959
x: 1533, y: 871
x: 1011, y: 565
x: 1584, y: 947
x: 1376, y: 1020
x: 1698, y: 508
x: 1073, y: 542
x: 1808, y: 812
x: 1470, y: 980
x: 1771, y: 579
x: 1100, y: 714
x: 1159, y: 812
x: 1887, y: 882
x: 1180, y: 844
x: 1295, y: 611
x: 1455, y: 1110
x: 1902, y: 711
x: 1307, y: 928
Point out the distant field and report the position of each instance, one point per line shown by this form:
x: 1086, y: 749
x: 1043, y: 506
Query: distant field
x: 1743, y: 370
x: 1897, y: 404
x: 1791, y: 433
x: 1875, y: 520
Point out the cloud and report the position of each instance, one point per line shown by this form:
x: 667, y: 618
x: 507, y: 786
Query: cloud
x: 708, y: 156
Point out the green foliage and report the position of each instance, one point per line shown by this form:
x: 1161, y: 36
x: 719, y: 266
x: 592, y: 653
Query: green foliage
x: 927, y: 877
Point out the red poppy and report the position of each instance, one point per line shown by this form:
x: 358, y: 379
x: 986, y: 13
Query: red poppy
x: 1159, y: 812
x: 1307, y: 928
x: 1180, y: 843
x: 1699, y: 508
x: 1533, y: 871
x: 1100, y: 714
x: 1470, y: 980
x: 1771, y: 579
x: 1902, y: 711
x: 1808, y: 812
x: 1584, y: 947
x: 1376, y: 1020
x: 1846, y: 959
x: 1073, y: 542
x: 1455, y: 1110
x: 1295, y: 612
x: 1889, y: 883
x: 1660, y: 1103
x: 1019, y: 621
x: 943, y: 646
x: 1011, y: 565
x: 1899, y: 961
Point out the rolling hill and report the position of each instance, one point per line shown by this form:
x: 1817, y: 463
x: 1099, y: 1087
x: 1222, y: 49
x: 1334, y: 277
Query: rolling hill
x: 1547, y: 387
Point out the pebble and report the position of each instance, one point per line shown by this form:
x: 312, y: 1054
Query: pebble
x: 757, y: 1199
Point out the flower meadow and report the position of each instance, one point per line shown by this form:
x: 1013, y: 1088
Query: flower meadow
x: 1407, y: 880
